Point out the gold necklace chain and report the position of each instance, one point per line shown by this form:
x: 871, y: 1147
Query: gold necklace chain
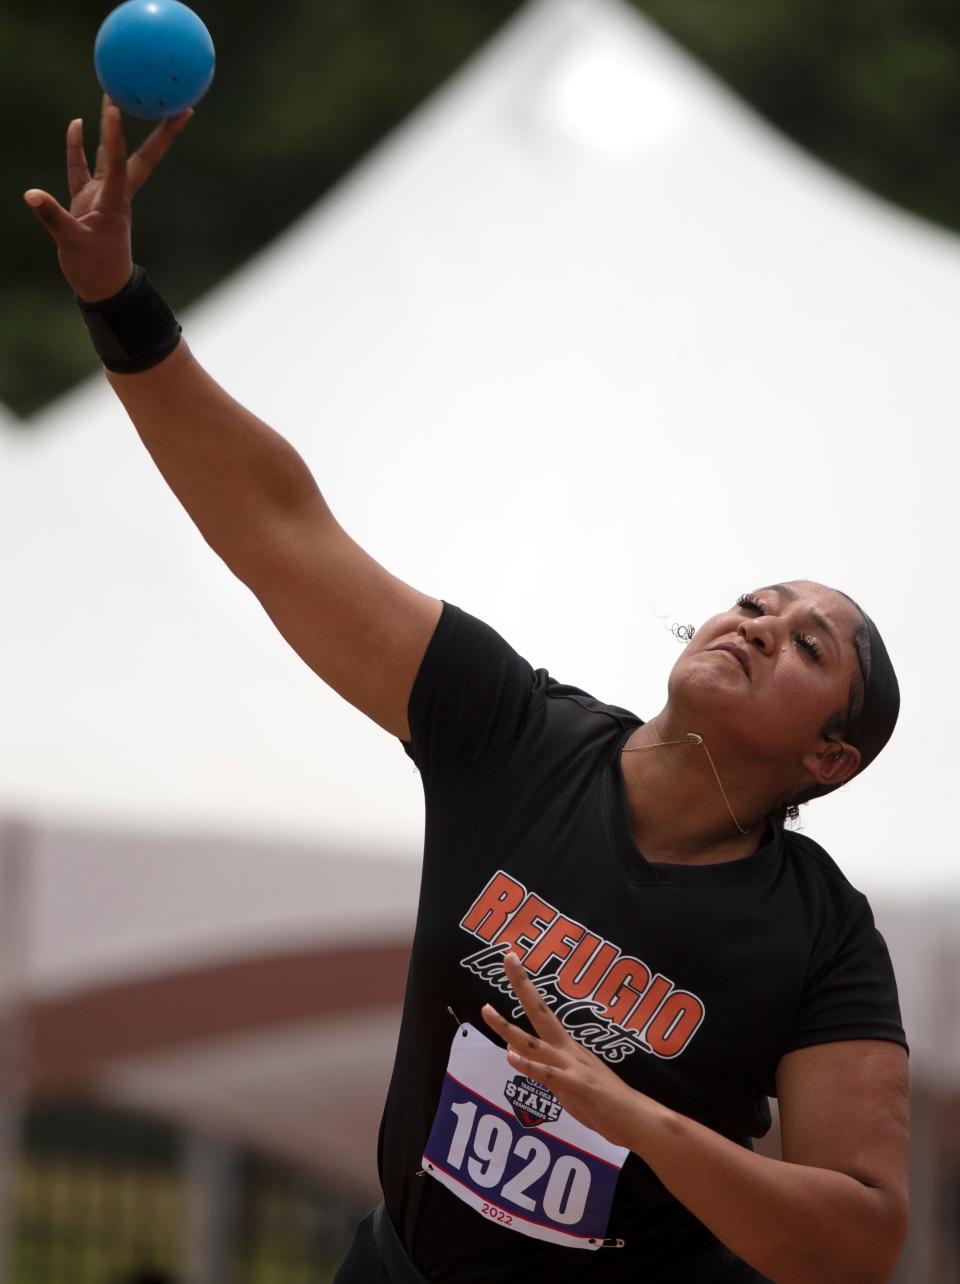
x: 691, y: 738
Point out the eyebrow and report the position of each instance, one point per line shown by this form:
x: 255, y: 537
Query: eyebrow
x: 791, y: 596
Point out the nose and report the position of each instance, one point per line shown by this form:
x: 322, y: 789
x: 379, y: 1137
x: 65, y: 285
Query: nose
x: 758, y: 631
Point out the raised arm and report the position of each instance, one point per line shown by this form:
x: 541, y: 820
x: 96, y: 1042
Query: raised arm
x: 248, y: 491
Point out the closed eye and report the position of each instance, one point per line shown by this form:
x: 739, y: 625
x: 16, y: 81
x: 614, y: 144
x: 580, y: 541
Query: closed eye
x: 750, y: 603
x: 747, y: 602
x: 809, y: 643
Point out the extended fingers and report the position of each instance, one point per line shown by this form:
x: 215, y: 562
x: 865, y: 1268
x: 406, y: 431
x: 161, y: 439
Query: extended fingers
x: 519, y: 1040
x: 78, y: 173
x: 114, y: 191
x: 100, y: 161
x: 61, y: 225
x: 523, y: 1048
x: 152, y: 150
x: 541, y: 1018
x: 538, y: 1070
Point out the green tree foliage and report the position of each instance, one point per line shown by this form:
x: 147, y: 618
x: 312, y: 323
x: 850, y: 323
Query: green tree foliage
x: 869, y: 86
x: 305, y: 88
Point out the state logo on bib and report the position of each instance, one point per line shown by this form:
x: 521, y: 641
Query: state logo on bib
x: 504, y: 1145
x: 533, y: 1103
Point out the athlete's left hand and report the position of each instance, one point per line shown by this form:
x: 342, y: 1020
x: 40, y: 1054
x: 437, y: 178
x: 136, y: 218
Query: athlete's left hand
x: 584, y: 1085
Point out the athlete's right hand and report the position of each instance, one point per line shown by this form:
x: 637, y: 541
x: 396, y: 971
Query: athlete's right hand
x: 93, y: 239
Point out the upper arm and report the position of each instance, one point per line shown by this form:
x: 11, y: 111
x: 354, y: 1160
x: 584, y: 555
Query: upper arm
x: 845, y: 1106
x: 360, y: 628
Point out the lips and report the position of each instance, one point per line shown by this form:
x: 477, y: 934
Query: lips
x: 739, y: 653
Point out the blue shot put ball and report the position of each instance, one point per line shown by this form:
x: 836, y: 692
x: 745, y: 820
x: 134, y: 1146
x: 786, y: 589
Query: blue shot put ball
x: 154, y: 58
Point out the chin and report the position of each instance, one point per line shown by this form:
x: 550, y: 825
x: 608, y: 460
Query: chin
x: 719, y: 705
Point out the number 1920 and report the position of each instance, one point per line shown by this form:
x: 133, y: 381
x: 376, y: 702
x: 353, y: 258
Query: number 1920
x: 568, y: 1184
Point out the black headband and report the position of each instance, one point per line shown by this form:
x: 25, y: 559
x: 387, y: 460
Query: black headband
x: 870, y: 730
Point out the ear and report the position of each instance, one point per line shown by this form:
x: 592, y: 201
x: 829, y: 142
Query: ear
x: 834, y: 763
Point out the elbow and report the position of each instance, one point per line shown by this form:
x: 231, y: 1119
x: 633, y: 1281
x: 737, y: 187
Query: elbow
x: 867, y: 1258
x: 887, y: 1244
x: 893, y: 1236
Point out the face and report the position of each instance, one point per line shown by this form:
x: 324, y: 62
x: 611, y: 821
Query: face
x: 768, y: 674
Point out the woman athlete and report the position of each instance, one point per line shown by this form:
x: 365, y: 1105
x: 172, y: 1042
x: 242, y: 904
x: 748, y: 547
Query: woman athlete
x: 620, y: 951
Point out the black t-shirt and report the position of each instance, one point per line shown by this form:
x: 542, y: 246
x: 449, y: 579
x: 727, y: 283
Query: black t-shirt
x: 691, y: 981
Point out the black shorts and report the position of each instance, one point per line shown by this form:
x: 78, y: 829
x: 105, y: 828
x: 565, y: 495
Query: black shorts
x: 376, y: 1255
x: 364, y: 1263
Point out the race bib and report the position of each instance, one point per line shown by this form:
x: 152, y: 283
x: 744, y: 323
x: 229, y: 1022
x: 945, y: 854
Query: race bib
x: 504, y: 1145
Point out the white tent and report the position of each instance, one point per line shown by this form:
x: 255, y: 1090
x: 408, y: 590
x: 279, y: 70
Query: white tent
x: 584, y: 346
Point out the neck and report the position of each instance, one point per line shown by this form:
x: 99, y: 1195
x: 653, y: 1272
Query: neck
x: 679, y: 812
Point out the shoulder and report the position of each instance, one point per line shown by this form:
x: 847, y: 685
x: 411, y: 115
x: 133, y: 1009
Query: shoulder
x: 802, y: 847
x: 576, y: 700
x: 814, y: 868
x: 831, y: 913
x: 461, y: 634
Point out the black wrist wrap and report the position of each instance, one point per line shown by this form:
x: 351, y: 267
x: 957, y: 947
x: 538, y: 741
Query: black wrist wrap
x: 135, y: 329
